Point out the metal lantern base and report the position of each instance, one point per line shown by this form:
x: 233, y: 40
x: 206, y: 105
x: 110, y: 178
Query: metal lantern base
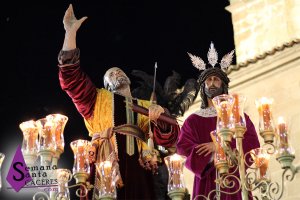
x: 177, y: 194
x: 285, y: 160
x: 81, y: 177
x: 268, y: 136
x: 226, y: 134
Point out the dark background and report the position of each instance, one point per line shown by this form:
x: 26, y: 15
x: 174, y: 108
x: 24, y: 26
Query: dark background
x: 129, y: 34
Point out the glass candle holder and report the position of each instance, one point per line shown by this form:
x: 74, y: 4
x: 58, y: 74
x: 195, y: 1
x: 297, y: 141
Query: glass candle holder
x: 46, y: 140
x: 266, y: 123
x: 46, y: 134
x: 81, y: 167
x: 261, y: 159
x: 220, y: 159
x: 238, y: 110
x: 238, y: 115
x: 30, y: 141
x: 225, y: 125
x: 2, y: 156
x: 175, y: 164
x: 59, y: 122
x: 63, y: 177
x: 107, y: 176
x: 285, y: 153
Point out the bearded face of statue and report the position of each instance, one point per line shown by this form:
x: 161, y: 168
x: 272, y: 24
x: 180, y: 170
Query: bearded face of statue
x: 213, y: 86
x: 115, y: 79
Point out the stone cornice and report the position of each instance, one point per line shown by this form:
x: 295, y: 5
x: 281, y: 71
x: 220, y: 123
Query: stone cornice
x: 264, y: 64
x: 263, y: 56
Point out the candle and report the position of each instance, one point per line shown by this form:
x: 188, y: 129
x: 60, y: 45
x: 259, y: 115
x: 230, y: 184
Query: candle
x: 81, y: 163
x: 56, y: 119
x: 58, y: 134
x: 30, y: 134
x: 59, y: 122
x: 265, y: 112
x: 107, y: 167
x: 266, y: 115
x: 220, y: 151
x: 282, y: 132
x: 32, y: 137
x: 262, y: 161
x: 2, y: 156
x: 80, y: 155
x: 47, y: 134
x: 224, y: 115
x: 175, y: 166
x: 220, y: 154
x: 63, y: 176
x: 235, y: 109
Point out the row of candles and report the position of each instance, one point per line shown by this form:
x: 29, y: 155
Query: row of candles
x: 46, y: 135
x: 230, y: 118
x: 44, y: 138
x: 231, y: 123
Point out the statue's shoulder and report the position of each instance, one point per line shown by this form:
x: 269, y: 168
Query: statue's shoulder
x: 103, y: 92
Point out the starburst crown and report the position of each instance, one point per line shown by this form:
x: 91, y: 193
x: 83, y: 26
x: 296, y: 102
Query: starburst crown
x: 213, y: 67
x: 212, y: 56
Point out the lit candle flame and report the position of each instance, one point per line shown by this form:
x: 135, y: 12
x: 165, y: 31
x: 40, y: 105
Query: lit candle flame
x: 175, y: 157
x: 281, y: 120
x: 27, y: 124
x: 282, y: 132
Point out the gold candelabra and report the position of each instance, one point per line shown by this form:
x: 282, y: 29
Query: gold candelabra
x: 43, y: 144
x: 231, y: 163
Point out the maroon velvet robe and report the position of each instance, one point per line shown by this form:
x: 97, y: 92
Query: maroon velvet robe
x: 196, y: 130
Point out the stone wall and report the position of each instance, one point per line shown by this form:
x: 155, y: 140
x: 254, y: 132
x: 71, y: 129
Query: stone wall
x: 262, y: 25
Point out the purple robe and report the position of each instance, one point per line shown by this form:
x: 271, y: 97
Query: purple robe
x: 196, y: 130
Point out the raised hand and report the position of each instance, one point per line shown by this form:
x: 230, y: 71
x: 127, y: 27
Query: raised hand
x: 71, y: 23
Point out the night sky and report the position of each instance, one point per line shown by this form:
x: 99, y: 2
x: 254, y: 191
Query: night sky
x: 129, y: 34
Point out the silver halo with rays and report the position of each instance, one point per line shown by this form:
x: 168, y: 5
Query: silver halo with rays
x: 212, y: 56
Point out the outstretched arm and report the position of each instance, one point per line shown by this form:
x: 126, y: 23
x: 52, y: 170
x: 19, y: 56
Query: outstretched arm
x: 72, y: 79
x: 71, y: 25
